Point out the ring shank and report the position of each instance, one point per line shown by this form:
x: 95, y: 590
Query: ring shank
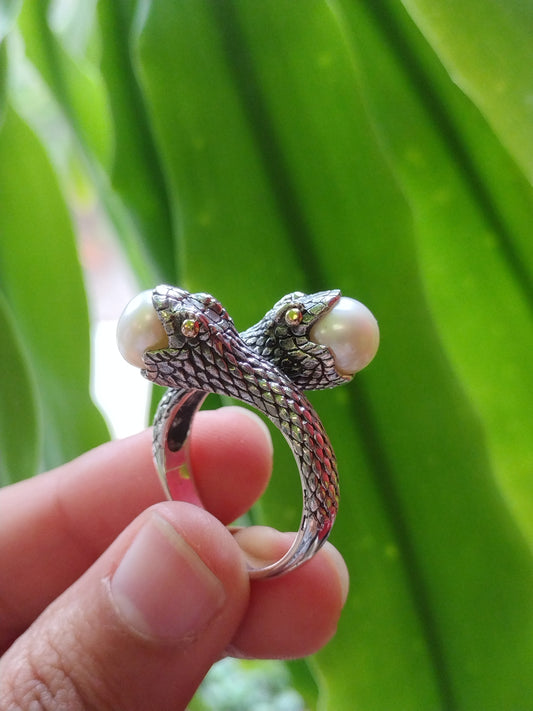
x: 172, y: 424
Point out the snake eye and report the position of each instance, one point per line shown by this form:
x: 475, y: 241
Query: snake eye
x: 190, y: 327
x: 293, y: 316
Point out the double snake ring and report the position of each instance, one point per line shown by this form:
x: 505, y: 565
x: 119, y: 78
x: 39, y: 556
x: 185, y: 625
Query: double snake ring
x: 188, y: 343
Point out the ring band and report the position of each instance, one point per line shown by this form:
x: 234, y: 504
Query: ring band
x: 266, y: 366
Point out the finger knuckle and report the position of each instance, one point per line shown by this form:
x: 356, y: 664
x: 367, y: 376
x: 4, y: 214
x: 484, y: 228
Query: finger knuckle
x: 37, y: 678
x: 42, y: 687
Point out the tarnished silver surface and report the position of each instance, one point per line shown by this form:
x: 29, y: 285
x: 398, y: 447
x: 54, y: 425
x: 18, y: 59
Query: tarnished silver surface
x: 265, y: 366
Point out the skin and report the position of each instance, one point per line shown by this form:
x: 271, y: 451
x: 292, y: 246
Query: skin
x: 67, y: 642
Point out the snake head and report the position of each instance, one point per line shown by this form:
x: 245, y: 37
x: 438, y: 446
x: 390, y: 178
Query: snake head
x: 318, y: 340
x: 283, y: 336
x: 196, y: 326
x: 187, y: 316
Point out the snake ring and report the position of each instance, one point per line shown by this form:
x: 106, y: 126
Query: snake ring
x: 188, y: 343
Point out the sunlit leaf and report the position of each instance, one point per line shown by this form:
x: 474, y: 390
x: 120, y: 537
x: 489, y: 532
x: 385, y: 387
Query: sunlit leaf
x: 473, y: 226
x: 486, y: 48
x: 73, y: 82
x: 3, y: 78
x: 9, y: 10
x: 105, y: 115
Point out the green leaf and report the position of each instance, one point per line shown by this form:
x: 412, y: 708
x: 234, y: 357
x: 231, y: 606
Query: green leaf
x: 20, y: 430
x: 74, y: 82
x: 304, y: 682
x: 485, y: 258
x: 211, y: 157
x: 486, y: 48
x: 42, y: 281
x: 284, y: 183
x: 105, y: 114
x: 3, y: 79
x: 310, y: 145
x: 341, y: 199
x: 9, y: 10
x: 136, y: 173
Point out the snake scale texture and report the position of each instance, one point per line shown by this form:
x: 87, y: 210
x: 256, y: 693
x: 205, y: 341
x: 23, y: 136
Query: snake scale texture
x: 266, y: 366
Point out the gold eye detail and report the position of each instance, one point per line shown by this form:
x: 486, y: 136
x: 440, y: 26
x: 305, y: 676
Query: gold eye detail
x: 190, y: 328
x: 293, y: 317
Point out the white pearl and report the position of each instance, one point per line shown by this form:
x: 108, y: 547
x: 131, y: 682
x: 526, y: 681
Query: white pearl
x: 139, y: 329
x: 351, y: 332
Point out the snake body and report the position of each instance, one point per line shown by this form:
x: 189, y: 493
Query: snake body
x: 266, y: 366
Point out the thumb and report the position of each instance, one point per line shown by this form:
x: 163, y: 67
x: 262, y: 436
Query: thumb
x: 142, y: 626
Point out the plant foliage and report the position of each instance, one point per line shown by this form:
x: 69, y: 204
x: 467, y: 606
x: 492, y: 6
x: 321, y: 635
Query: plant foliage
x: 253, y: 148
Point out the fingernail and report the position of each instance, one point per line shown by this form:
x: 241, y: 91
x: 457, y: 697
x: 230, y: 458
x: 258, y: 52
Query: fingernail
x: 258, y: 421
x: 262, y: 545
x: 162, y: 588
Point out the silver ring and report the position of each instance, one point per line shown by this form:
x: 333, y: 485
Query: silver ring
x: 267, y: 366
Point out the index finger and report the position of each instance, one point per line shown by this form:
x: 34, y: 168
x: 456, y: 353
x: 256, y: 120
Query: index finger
x: 53, y: 527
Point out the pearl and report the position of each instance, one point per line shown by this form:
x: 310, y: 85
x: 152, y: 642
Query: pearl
x: 351, y: 332
x: 139, y: 329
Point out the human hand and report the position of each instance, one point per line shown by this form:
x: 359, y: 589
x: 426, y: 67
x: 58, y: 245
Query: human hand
x: 110, y: 599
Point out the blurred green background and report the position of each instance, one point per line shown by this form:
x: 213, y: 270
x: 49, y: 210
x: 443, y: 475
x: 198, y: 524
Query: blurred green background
x: 253, y: 148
